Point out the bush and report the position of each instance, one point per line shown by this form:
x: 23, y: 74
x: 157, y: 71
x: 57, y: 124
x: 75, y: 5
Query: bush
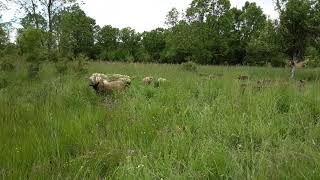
x: 314, y: 62
x: 33, y: 70
x: 35, y: 57
x: 6, y: 66
x: 54, y: 57
x: 190, y: 66
x: 81, y: 65
x: 279, y: 61
x: 309, y: 75
x: 3, y: 83
x: 61, y: 66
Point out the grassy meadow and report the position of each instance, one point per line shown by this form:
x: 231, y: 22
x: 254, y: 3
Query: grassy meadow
x: 200, y: 125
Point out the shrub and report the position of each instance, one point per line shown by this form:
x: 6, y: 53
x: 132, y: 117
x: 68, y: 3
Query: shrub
x: 61, y: 66
x: 3, y: 83
x: 279, y: 61
x: 7, y: 66
x: 81, y: 65
x: 314, y: 62
x: 54, y: 57
x: 309, y: 75
x: 36, y: 57
x: 190, y: 66
x: 33, y: 70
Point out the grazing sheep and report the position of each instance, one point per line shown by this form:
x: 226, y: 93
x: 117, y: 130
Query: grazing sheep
x: 116, y: 77
x: 160, y: 81
x: 264, y: 82
x: 100, y: 75
x: 127, y: 81
x: 104, y: 83
x: 243, y: 78
x: 113, y: 77
x: 95, y: 79
x: 109, y: 87
x: 147, y: 80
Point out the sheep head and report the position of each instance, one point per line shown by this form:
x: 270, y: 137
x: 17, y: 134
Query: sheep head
x: 94, y: 79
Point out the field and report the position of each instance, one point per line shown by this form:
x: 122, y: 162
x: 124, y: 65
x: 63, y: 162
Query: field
x: 200, y: 125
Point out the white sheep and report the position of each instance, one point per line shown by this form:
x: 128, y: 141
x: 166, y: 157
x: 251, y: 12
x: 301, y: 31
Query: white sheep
x: 118, y: 76
x: 160, y: 81
x: 109, y: 87
x: 109, y: 83
x: 147, y: 80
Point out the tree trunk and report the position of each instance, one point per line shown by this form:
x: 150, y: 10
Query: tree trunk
x: 49, y: 11
x: 36, y: 20
x: 293, y: 65
x: 293, y: 71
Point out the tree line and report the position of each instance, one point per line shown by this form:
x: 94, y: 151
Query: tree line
x: 208, y: 32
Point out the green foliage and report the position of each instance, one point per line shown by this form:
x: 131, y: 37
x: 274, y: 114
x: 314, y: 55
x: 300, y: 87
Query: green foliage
x: 200, y: 10
x: 129, y: 44
x: 3, y: 83
x: 35, y: 21
x: 10, y: 50
x: 33, y: 70
x: 6, y: 66
x: 76, y: 32
x: 154, y: 43
x: 7, y: 63
x: 313, y: 55
x: 107, y: 42
x: 265, y: 49
x: 119, y: 45
x: 216, y: 34
x: 3, y: 36
x: 31, y: 45
x: 295, y: 20
x: 190, y: 66
x: 172, y: 17
x: 179, y: 46
x: 209, y: 32
x: 311, y: 75
x: 78, y: 65
x: 81, y: 64
x: 62, y: 66
x: 252, y: 22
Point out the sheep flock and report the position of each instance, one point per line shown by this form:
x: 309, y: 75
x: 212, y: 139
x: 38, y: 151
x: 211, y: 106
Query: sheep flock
x: 103, y: 83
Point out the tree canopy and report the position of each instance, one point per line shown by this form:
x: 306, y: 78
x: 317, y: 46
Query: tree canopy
x: 207, y: 32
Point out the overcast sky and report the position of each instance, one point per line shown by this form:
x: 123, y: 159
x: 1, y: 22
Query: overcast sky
x: 143, y: 15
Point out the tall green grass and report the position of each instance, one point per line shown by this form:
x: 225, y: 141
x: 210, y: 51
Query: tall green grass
x: 194, y: 127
